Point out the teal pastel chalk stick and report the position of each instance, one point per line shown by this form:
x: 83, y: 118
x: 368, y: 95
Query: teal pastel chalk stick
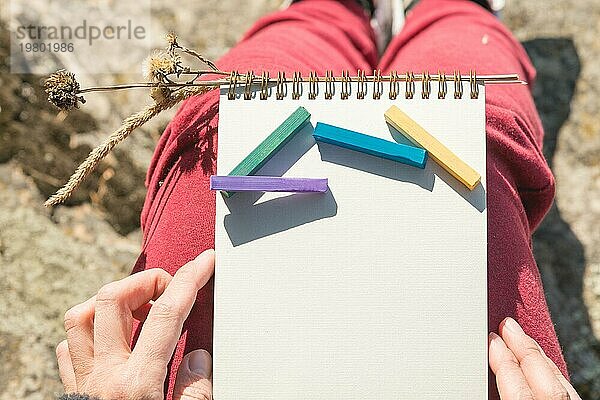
x: 372, y: 145
x: 271, y: 145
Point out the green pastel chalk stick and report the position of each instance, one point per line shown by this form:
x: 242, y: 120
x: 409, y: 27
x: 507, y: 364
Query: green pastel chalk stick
x: 271, y: 145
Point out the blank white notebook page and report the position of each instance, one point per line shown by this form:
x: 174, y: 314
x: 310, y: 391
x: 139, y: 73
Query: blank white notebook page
x: 375, y: 289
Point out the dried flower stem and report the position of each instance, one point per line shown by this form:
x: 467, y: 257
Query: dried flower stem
x: 198, y: 56
x: 161, y: 70
x: 129, y: 125
x: 156, y: 84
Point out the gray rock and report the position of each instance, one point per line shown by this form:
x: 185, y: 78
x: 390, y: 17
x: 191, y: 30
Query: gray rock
x: 45, y: 268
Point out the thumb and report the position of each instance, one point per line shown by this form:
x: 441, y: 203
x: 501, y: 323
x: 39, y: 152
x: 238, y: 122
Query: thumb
x: 194, y: 377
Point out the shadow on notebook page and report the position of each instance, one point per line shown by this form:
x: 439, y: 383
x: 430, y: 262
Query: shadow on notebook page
x: 249, y: 221
x: 246, y: 224
x: 475, y: 197
x: 377, y: 166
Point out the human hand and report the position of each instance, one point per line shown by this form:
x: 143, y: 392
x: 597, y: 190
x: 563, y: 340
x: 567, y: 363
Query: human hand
x: 522, y: 369
x: 97, y: 360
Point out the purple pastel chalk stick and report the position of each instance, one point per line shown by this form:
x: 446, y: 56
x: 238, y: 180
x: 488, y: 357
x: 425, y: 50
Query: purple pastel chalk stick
x: 256, y: 183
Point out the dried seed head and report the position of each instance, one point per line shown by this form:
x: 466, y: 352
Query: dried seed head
x: 63, y: 89
x: 158, y: 65
x: 171, y: 39
x: 160, y: 94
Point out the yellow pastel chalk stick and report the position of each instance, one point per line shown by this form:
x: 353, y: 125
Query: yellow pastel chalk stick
x: 437, y: 151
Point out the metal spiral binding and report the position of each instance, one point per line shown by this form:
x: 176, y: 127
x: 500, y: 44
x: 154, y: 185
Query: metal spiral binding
x: 280, y: 85
x: 394, y: 85
x: 410, y: 85
x: 248, y: 86
x: 473, y: 84
x: 377, y: 84
x: 458, y: 87
x: 249, y: 82
x: 426, y: 85
x: 346, y: 87
x: 313, y: 85
x: 329, y: 85
x: 361, y: 90
x: 233, y: 77
x: 443, y: 85
x: 297, y: 86
x: 264, y: 85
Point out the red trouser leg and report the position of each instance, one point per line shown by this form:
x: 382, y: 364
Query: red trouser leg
x: 178, y: 215
x: 447, y: 35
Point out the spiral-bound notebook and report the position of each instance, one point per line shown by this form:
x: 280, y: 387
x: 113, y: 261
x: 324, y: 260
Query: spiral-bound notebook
x: 376, y: 288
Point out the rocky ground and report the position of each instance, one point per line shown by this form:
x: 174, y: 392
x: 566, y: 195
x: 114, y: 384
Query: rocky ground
x: 50, y: 260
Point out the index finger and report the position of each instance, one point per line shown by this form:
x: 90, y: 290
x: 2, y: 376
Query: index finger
x: 162, y: 328
x: 114, y: 305
x: 540, y: 377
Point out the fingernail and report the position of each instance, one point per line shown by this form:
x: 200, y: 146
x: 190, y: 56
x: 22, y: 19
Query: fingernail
x: 200, y: 362
x: 205, y: 253
x: 494, y: 339
x: 513, y: 326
